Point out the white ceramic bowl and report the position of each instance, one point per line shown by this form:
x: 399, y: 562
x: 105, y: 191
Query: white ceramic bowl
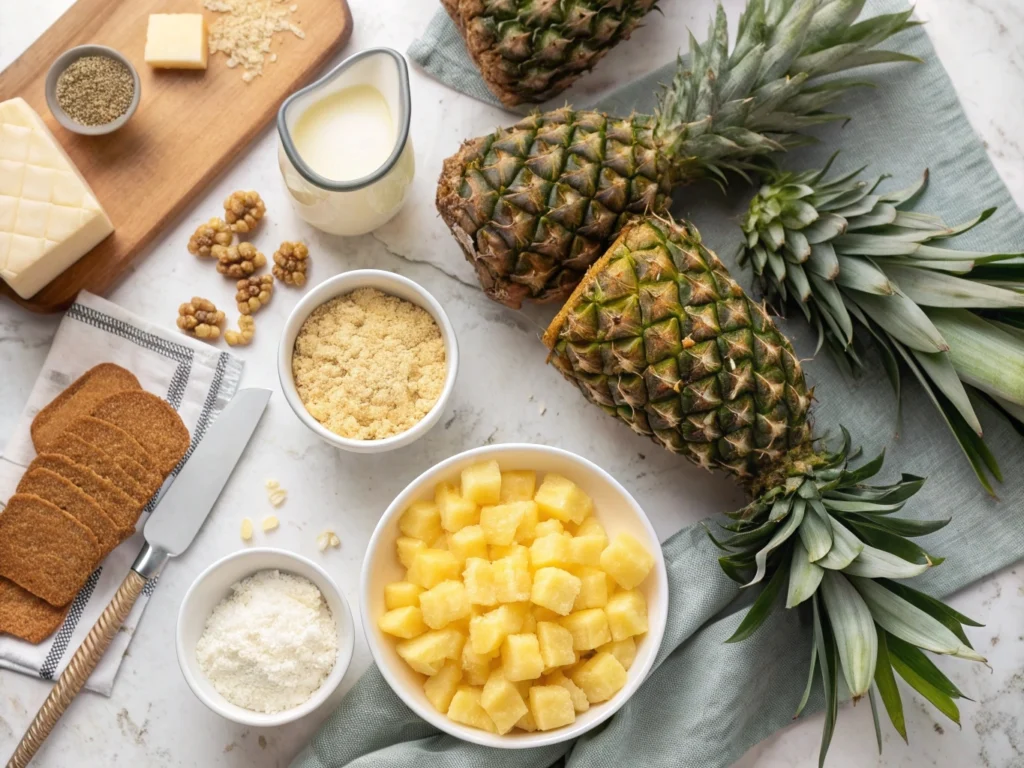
x: 613, y: 506
x: 386, y: 282
x: 213, y: 585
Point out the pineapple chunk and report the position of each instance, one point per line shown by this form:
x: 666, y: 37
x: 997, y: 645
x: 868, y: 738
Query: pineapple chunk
x: 427, y: 652
x: 445, y: 603
x: 481, y: 483
x: 408, y: 548
x: 593, y: 589
x: 404, y: 622
x: 518, y: 485
x: 626, y: 560
x: 579, y: 699
x: 589, y: 629
x: 519, y: 553
x: 456, y: 512
x: 520, y: 657
x: 546, y: 527
x: 551, y: 707
x: 500, y: 522
x: 555, y: 589
x: 512, y: 581
x: 592, y: 527
x: 555, y: 644
x: 550, y: 550
x: 432, y: 566
x: 477, y: 666
x: 399, y: 594
x: 586, y: 550
x: 527, y: 530
x: 544, y: 614
x: 478, y: 577
x: 440, y: 688
x: 600, y: 677
x: 488, y: 632
x: 627, y: 614
x: 465, y: 708
x: 562, y: 499
x: 502, y: 701
x: 441, y: 542
x: 468, y: 542
x: 422, y: 520
x: 529, y: 623
x: 526, y: 722
x: 623, y: 650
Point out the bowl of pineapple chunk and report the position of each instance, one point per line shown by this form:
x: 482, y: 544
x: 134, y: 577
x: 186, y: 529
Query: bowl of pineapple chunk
x: 514, y: 595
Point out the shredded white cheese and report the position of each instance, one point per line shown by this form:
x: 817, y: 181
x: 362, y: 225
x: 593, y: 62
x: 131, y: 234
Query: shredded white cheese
x: 270, y: 644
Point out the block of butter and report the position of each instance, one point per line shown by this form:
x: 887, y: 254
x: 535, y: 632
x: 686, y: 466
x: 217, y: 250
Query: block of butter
x: 49, y: 218
x: 176, y: 41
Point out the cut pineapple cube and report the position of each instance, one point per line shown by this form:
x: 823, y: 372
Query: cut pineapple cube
x: 627, y: 614
x: 626, y: 560
x: 551, y: 707
x: 399, y: 594
x: 404, y: 622
x: 456, y: 512
x: 555, y: 589
x: 502, y: 701
x: 526, y: 722
x: 527, y: 530
x: 481, y: 483
x: 592, y: 527
x: 422, y: 520
x: 466, y: 709
x: 468, y: 542
x: 529, y: 623
x: 593, y: 589
x: 623, y: 650
x: 546, y: 527
x: 520, y: 657
x: 500, y: 522
x: 488, y: 632
x: 562, y: 499
x: 518, y: 485
x: 427, y: 652
x: 544, y: 614
x: 512, y: 581
x: 440, y: 688
x: 478, y: 577
x: 432, y: 566
x: 477, y: 666
x: 579, y: 699
x: 519, y: 553
x: 600, y: 677
x: 550, y: 550
x: 408, y: 548
x: 555, y: 644
x: 586, y: 550
x: 589, y: 629
x: 444, y: 603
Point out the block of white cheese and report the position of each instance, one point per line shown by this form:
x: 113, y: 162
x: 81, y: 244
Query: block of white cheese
x: 176, y: 41
x: 49, y: 218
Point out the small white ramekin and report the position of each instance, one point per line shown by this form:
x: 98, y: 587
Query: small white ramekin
x: 213, y: 585
x: 339, y: 285
x: 614, y: 507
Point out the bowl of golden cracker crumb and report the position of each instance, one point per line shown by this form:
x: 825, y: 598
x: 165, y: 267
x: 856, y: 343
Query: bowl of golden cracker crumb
x: 368, y: 361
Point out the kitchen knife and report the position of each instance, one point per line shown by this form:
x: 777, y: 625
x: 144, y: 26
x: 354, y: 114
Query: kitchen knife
x: 173, y: 524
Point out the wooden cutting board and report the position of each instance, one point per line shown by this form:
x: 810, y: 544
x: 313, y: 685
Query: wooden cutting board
x: 188, y: 128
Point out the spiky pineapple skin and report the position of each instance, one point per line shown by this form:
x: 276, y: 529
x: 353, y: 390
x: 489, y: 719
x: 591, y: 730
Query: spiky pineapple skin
x: 535, y: 204
x: 529, y: 51
x: 659, y: 335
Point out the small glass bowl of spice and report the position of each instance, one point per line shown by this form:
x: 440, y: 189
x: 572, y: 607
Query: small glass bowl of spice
x: 92, y: 90
x: 368, y: 361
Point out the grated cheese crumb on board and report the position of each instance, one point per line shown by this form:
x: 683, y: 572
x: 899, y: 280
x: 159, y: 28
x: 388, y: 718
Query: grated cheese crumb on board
x: 246, y: 30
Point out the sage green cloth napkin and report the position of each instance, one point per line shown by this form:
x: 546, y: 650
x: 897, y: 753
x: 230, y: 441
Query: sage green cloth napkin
x: 706, y: 703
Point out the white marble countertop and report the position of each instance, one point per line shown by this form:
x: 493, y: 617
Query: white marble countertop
x: 152, y: 719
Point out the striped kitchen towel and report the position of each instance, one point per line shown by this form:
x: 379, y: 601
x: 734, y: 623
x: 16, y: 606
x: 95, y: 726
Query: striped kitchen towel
x: 197, y: 380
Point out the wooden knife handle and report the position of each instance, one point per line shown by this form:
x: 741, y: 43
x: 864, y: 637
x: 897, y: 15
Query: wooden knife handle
x: 78, y: 670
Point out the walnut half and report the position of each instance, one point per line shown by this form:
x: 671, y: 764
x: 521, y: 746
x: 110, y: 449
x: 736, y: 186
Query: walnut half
x: 243, y: 336
x: 253, y: 292
x: 210, y: 233
x: 200, y: 318
x: 238, y: 261
x: 243, y: 210
x: 291, y: 261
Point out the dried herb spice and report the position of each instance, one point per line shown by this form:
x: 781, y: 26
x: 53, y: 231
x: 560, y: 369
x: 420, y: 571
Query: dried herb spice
x: 95, y: 90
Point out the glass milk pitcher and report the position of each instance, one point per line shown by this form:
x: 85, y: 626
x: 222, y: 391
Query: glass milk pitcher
x: 317, y: 136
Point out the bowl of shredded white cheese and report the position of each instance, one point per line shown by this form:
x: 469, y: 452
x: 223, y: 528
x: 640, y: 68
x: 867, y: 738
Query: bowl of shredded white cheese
x: 264, y: 637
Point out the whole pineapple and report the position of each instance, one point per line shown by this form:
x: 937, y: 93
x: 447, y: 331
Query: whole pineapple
x: 659, y: 335
x: 535, y: 204
x: 532, y: 50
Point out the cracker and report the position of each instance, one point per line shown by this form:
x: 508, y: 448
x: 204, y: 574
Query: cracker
x: 76, y: 449
x: 44, y: 549
x: 151, y: 421
x: 121, y: 447
x: 24, y: 615
x: 119, y: 506
x: 79, y: 399
x: 51, y: 487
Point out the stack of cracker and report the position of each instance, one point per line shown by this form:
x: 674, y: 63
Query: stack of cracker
x: 104, y: 446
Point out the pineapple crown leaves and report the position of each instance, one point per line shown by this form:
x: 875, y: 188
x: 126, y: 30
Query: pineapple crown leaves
x: 831, y: 542
x: 722, y: 108
x: 848, y: 255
